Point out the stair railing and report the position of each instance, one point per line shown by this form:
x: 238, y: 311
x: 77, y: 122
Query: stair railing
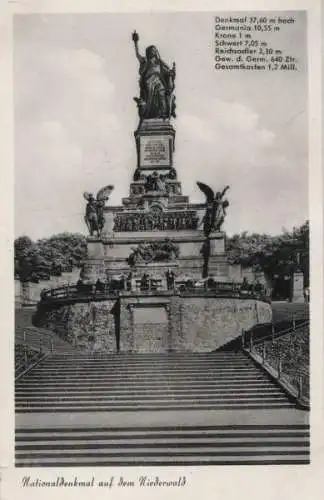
x: 31, y: 357
x: 35, y: 345
x: 274, y: 330
x: 284, y: 357
x: 39, y: 341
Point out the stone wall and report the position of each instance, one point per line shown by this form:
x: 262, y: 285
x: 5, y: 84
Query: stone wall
x: 205, y: 324
x: 75, y: 323
x: 144, y: 341
x: 197, y: 324
x: 157, y: 322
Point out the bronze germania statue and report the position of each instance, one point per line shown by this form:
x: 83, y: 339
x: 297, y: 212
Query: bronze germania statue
x: 156, y: 84
x: 94, y: 216
x: 215, y: 208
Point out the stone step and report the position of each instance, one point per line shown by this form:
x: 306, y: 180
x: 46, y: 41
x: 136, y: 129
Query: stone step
x: 135, y: 356
x: 170, y: 355
x: 177, y: 428
x: 236, y: 448
x: 164, y: 445
x: 148, y: 397
x: 205, y: 460
x: 34, y: 375
x: 88, y: 435
x: 124, y: 382
x: 79, y: 447
x: 152, y: 367
x: 154, y: 375
x: 115, y: 359
x: 146, y: 382
x: 248, y: 442
x: 189, y: 449
x: 155, y: 397
x: 261, y: 404
x: 261, y: 386
x: 178, y: 391
x: 125, y: 385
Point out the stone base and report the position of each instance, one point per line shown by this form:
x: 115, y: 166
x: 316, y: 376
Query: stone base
x: 155, y: 144
x: 155, y: 322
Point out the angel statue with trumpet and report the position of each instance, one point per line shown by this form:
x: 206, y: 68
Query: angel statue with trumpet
x: 94, y: 215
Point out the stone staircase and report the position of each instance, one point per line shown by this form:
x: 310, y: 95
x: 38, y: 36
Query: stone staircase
x: 78, y: 392
x: 181, y: 445
x: 147, y: 382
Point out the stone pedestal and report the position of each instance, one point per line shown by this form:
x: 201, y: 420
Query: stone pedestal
x: 155, y: 144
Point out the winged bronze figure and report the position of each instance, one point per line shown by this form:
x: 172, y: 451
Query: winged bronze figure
x: 94, y: 216
x: 215, y: 208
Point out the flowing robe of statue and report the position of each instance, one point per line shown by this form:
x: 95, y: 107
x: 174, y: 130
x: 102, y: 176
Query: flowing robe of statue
x: 156, y: 84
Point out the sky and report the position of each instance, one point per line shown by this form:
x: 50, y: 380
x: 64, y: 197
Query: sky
x: 75, y: 76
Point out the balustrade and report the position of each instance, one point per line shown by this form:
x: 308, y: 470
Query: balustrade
x: 26, y: 355
x: 126, y: 283
x: 285, y: 352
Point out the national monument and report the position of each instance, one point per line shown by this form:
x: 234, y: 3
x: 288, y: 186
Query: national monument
x: 156, y: 277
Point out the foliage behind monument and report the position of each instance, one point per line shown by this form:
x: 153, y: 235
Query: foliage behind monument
x: 35, y: 261
x: 274, y: 255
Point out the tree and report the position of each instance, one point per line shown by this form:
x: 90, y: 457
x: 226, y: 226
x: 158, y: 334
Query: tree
x: 47, y: 257
x: 25, y: 262
x: 64, y: 250
x: 278, y: 255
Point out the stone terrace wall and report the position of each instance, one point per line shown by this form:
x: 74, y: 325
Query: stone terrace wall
x: 156, y: 323
x: 204, y: 324
x: 76, y: 322
x: 196, y: 324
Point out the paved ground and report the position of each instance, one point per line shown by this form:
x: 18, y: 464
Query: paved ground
x: 142, y: 418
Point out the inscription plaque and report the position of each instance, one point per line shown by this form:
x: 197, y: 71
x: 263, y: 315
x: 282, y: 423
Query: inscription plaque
x: 155, y: 151
x: 150, y: 315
